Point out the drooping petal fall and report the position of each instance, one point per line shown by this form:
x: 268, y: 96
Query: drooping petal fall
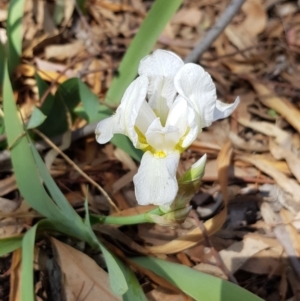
x: 155, y: 182
x: 223, y: 110
x: 197, y: 87
x: 123, y: 121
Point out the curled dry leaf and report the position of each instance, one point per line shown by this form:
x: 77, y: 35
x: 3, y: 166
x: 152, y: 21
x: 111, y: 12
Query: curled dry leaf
x: 244, y: 34
x: 280, y: 104
x: 282, y: 137
x: 187, y: 16
x: 236, y: 255
x: 275, y: 221
x: 289, y: 186
x: 162, y: 294
x: 291, y: 159
x: 83, y: 278
x: 15, y: 276
x: 252, y: 145
x: 66, y: 51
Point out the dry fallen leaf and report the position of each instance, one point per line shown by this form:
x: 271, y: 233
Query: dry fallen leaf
x: 83, y: 278
x: 15, y: 274
x: 280, y: 104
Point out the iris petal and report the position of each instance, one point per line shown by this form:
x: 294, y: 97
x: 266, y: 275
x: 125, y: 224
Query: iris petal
x: 155, y: 182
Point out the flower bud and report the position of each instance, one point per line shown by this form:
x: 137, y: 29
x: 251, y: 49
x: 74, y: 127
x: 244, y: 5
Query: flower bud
x: 189, y: 183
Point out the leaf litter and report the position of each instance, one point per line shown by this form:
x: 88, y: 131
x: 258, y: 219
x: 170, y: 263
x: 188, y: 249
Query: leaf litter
x: 255, y: 227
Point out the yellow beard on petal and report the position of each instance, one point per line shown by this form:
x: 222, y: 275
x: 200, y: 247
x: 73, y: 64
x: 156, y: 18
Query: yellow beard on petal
x: 160, y: 154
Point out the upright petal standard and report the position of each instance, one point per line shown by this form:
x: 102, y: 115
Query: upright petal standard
x: 162, y: 112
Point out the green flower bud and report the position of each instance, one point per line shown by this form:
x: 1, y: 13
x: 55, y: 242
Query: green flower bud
x: 188, y: 183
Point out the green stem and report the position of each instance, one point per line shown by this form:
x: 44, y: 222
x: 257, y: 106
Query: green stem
x: 126, y: 220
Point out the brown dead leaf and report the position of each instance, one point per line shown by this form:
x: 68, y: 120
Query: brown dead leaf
x: 287, y: 218
x: 282, y: 137
x: 250, y: 146
x: 292, y: 160
x: 187, y: 16
x: 66, y: 51
x: 279, y: 104
x: 7, y: 185
x: 15, y: 275
x: 244, y: 34
x: 162, y: 294
x: 83, y: 278
x: 238, y: 253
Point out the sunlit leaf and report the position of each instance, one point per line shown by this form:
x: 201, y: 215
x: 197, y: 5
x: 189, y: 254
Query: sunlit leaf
x: 10, y: 244
x: 117, y: 278
x: 196, y: 284
x: 36, y: 119
x: 14, y: 33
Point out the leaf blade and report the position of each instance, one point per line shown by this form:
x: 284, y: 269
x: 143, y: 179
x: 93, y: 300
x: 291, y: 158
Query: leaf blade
x: 194, y: 283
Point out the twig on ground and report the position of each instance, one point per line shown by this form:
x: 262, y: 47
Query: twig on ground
x: 216, y: 254
x: 76, y: 167
x: 215, y: 31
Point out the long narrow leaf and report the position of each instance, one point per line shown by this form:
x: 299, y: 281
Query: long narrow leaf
x: 27, y: 177
x: 10, y: 244
x: 135, y: 291
x: 117, y: 279
x: 27, y: 281
x: 198, y: 285
x: 14, y: 33
x: 157, y: 18
x: 53, y: 189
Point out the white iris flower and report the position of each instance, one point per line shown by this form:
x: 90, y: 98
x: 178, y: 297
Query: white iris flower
x: 162, y: 112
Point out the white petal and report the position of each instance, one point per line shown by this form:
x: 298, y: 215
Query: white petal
x: 145, y: 117
x: 196, y: 86
x: 194, y: 129
x: 183, y: 116
x: 178, y: 115
x: 223, y: 110
x: 162, y: 138
x: 161, y: 67
x: 160, y: 62
x: 129, y: 108
x: 105, y: 130
x: 155, y: 182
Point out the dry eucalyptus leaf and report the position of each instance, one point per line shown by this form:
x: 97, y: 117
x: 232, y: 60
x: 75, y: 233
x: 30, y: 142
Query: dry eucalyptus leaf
x: 83, y: 278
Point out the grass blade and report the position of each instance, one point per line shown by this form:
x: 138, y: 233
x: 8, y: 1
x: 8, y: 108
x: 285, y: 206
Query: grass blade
x: 117, y: 278
x: 10, y: 244
x: 198, y: 285
x: 14, y: 33
x: 27, y: 281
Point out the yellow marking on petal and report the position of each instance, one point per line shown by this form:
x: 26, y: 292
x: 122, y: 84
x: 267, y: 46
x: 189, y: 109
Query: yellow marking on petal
x: 144, y: 145
x: 178, y: 146
x: 160, y: 154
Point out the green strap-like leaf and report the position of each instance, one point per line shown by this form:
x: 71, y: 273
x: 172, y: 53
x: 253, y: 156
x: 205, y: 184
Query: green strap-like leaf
x: 198, y: 285
x: 27, y: 178
x: 9, y: 244
x: 144, y: 41
x: 36, y: 119
x: 135, y: 291
x: 27, y: 281
x: 117, y: 278
x: 14, y: 33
